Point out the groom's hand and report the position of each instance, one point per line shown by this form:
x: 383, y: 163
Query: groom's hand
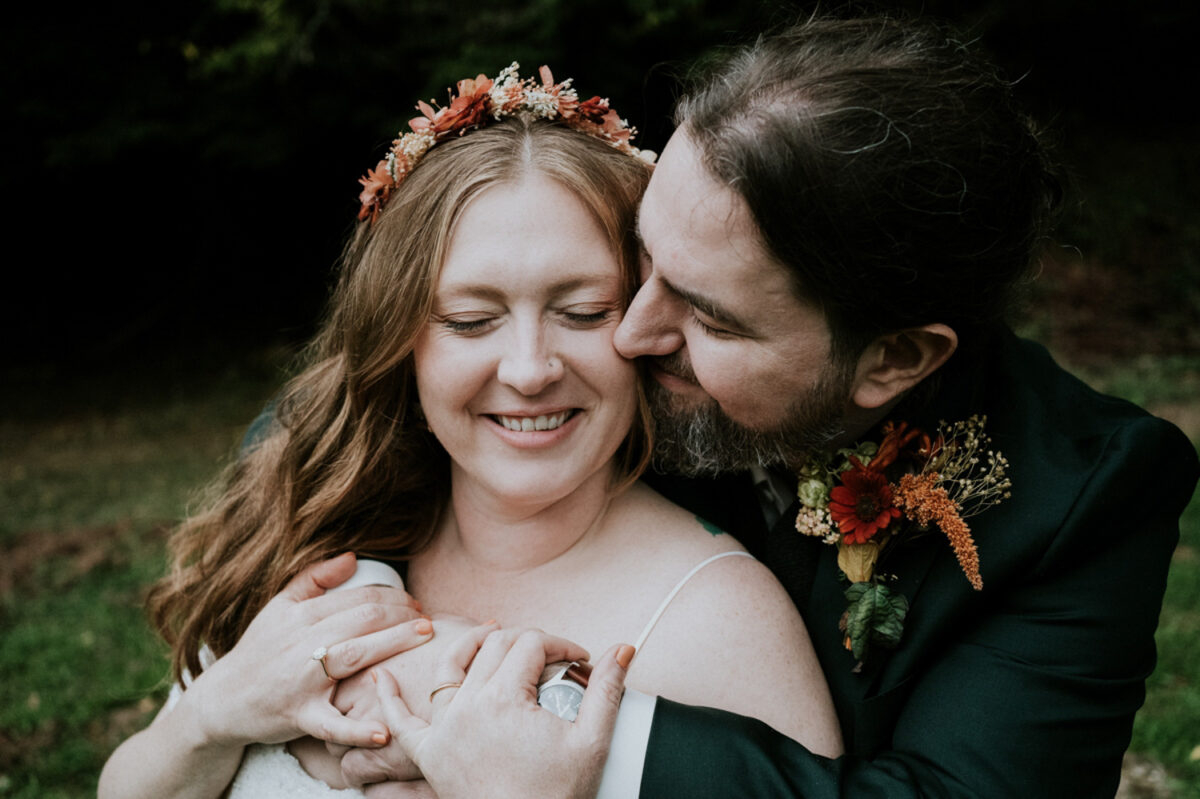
x: 490, y: 738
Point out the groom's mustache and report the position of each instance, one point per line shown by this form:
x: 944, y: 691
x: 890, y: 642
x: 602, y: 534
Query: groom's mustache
x: 676, y: 365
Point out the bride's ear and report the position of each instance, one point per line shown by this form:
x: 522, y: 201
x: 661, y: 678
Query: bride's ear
x: 894, y: 363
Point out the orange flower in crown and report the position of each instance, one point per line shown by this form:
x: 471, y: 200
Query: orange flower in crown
x: 480, y: 100
x: 465, y: 111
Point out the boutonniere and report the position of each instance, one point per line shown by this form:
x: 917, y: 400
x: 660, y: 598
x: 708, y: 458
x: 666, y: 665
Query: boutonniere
x: 867, y: 499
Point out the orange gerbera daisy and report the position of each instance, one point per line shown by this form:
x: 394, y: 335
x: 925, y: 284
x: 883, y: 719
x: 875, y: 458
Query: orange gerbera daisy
x: 862, y: 505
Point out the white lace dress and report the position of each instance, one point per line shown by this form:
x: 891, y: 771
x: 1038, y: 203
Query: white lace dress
x: 269, y: 771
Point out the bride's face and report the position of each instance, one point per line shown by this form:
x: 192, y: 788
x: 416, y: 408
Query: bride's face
x: 516, y: 371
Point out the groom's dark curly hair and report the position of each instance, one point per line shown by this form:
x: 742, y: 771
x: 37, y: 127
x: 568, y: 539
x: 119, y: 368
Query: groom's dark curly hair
x: 886, y: 165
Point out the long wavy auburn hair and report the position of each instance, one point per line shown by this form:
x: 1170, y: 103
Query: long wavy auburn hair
x: 348, y: 464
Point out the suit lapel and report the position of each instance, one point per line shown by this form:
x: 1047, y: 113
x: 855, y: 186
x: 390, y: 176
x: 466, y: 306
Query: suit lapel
x: 792, y: 557
x: 863, y: 697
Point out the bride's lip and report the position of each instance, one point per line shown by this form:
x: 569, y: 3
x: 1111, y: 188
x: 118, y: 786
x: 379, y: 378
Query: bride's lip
x: 555, y: 425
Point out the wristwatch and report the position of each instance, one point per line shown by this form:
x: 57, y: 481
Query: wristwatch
x: 562, y: 693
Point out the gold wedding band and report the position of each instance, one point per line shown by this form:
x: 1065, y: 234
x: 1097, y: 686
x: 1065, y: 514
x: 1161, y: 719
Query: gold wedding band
x: 443, y: 687
x: 319, y: 655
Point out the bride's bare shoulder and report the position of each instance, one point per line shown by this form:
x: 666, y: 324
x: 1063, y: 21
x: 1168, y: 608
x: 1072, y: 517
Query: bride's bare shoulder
x: 652, y: 520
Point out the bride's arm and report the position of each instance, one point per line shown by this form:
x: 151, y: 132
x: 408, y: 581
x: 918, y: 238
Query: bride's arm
x: 268, y: 688
x: 733, y: 640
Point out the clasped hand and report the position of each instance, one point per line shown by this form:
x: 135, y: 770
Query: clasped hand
x: 269, y: 689
x: 489, y: 737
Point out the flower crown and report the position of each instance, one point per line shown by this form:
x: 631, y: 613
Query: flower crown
x: 478, y: 100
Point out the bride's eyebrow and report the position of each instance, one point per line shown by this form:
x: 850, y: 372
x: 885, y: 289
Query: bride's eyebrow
x: 493, y: 293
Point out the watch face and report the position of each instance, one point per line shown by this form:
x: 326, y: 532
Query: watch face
x: 562, y: 699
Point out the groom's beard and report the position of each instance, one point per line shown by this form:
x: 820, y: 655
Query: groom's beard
x: 701, y: 439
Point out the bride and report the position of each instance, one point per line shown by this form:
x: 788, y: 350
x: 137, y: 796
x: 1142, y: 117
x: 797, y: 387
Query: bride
x: 464, y: 416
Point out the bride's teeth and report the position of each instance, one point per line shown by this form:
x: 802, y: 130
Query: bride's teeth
x: 526, y: 424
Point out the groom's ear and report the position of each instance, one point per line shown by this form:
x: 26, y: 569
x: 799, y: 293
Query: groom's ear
x: 894, y: 363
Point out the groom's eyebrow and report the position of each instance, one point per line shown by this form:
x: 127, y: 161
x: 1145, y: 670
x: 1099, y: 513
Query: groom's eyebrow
x: 708, y: 308
x: 701, y: 303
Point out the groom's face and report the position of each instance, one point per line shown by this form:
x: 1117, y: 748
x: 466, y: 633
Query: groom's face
x: 741, y: 365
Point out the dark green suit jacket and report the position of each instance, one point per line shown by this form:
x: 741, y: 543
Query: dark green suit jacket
x: 1025, y: 689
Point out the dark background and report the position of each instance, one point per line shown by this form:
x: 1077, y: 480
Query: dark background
x: 180, y: 175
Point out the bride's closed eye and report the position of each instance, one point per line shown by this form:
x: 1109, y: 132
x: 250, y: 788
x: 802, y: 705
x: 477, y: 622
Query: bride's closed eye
x: 465, y: 325
x: 586, y: 317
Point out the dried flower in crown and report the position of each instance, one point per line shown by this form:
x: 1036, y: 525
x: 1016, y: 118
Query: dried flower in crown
x: 480, y: 100
x: 868, y: 498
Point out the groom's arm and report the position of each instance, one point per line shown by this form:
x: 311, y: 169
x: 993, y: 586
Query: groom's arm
x: 1032, y: 696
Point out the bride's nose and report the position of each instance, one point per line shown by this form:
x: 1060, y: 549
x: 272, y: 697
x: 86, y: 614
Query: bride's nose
x: 530, y: 363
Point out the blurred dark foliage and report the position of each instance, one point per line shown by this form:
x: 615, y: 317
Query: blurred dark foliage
x: 182, y: 174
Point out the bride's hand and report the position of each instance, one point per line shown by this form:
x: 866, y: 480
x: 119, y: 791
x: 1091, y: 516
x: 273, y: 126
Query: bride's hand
x: 269, y: 688
x: 488, y: 737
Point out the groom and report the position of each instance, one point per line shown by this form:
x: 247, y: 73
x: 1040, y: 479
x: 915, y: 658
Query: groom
x: 832, y: 236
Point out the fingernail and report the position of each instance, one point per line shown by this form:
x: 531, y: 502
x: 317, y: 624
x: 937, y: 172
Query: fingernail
x: 374, y: 676
x: 624, y: 656
x: 379, y: 738
x: 423, y: 626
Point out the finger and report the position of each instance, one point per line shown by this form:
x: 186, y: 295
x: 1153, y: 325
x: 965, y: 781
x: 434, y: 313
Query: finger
x: 365, y: 766
x: 526, y: 659
x: 352, y: 656
x: 315, y: 580
x: 458, y: 658
x: 320, y: 720
x: 326, y: 605
x: 407, y: 730
x: 411, y: 789
x: 602, y: 698
x: 489, y: 657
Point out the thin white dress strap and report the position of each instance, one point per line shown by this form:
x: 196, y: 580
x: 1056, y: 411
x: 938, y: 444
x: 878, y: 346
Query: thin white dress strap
x: 667, y: 600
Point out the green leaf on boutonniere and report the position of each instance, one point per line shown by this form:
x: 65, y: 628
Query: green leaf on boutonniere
x: 875, y: 616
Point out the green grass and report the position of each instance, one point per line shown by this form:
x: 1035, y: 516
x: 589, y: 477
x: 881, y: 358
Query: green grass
x: 1168, y: 726
x: 89, y: 486
x: 92, y: 473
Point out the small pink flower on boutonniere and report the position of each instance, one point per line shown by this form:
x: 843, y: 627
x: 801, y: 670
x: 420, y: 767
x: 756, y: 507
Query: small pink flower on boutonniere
x: 868, y: 498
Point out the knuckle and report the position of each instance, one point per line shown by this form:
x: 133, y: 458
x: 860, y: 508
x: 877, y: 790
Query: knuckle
x: 305, y: 614
x: 496, y: 638
x: 383, y: 595
x: 370, y: 614
x: 353, y: 766
x: 531, y: 637
x: 611, y: 692
x: 351, y: 655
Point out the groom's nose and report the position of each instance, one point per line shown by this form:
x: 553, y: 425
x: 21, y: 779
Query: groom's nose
x: 651, y: 325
